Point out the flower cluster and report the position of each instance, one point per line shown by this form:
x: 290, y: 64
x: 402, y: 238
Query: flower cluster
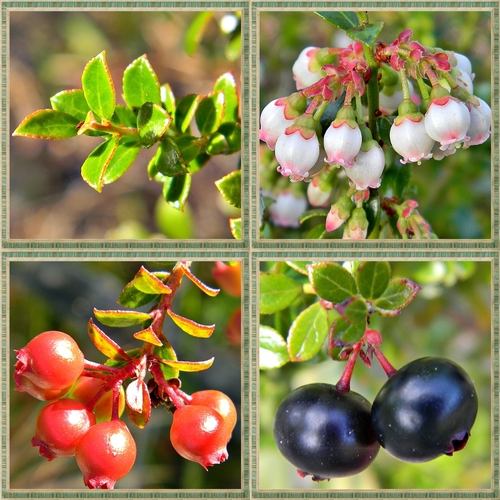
x: 428, y: 91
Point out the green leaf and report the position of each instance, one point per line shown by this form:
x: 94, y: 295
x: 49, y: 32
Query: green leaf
x: 106, y: 345
x: 235, y: 225
x: 185, y: 111
x: 300, y: 267
x: 347, y: 333
x: 399, y: 294
x: 308, y: 333
x: 122, y: 160
x: 133, y: 298
x: 317, y: 232
x: 216, y: 144
x: 332, y: 282
x: 121, y: 319
x: 124, y: 116
x: 166, y: 352
x: 353, y: 312
x: 167, y: 98
x: 147, y: 282
x: 176, y: 190
x: 195, y: 31
x: 140, y: 84
x: 230, y: 188
x: 211, y: 292
x: 366, y: 34
x: 152, y: 122
x: 277, y: 291
x: 315, y: 212
x: 343, y: 20
x: 189, y: 366
x: 209, y: 113
x: 373, y: 278
x: 273, y: 351
x: 191, y: 327
x: 98, y: 87
x: 95, y: 166
x: 232, y: 133
x: 227, y: 84
x: 169, y: 161
x: 188, y: 147
x: 48, y: 124
x: 72, y: 102
x: 384, y: 124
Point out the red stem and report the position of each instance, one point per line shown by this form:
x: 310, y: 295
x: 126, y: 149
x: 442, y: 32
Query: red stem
x: 344, y: 384
x: 384, y: 363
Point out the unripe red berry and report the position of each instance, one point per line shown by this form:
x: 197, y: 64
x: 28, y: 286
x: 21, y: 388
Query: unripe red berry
x: 199, y: 434
x: 105, y: 454
x: 59, y: 426
x: 219, y: 402
x: 51, y: 362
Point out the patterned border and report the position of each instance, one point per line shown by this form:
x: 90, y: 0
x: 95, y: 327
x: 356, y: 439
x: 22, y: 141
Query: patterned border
x: 251, y: 249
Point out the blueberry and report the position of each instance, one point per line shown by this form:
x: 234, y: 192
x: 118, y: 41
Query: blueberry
x: 325, y: 433
x: 426, y: 409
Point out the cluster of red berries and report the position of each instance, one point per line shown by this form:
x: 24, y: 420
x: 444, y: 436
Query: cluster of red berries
x: 80, y: 421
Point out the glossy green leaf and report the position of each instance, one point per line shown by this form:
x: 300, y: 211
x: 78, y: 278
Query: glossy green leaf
x: 185, y: 111
x: 347, y: 333
x: 373, y: 278
x: 48, y: 124
x: 273, y: 351
x: 98, y: 87
x: 190, y: 366
x: 189, y: 147
x: 147, y: 282
x: 317, y: 232
x: 72, y: 102
x: 300, y: 267
x: 138, y: 403
x: 176, y: 190
x: 104, y: 344
x: 367, y: 33
x: 308, y: 333
x: 152, y: 122
x: 277, y: 291
x: 95, y: 166
x: 235, y: 225
x: 124, y: 116
x: 232, y: 134
x: 169, y: 160
x: 384, y: 124
x: 140, y: 84
x: 166, y: 352
x: 120, y: 319
x: 227, y: 84
x: 209, y: 113
x: 167, y: 98
x: 198, y: 163
x: 398, y: 294
x: 355, y: 311
x: 195, y: 32
x: 332, y: 282
x: 133, y: 298
x: 191, y: 327
x: 217, y: 144
x: 230, y: 188
x: 148, y: 335
x: 123, y: 158
x: 343, y: 20
x: 315, y: 212
x: 208, y: 290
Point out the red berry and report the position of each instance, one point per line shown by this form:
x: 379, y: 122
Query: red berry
x: 59, y: 426
x: 219, y: 402
x: 105, y: 454
x: 51, y: 362
x: 86, y: 388
x: 199, y: 434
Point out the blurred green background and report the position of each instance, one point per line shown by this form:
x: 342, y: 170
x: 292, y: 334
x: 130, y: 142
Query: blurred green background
x: 48, y: 52
x: 454, y: 194
x: 451, y: 318
x: 48, y: 295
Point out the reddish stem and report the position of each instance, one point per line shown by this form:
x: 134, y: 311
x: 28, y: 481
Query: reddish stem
x: 344, y: 384
x: 384, y: 363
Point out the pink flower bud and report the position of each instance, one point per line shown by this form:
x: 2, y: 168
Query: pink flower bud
x: 447, y: 121
x: 343, y: 139
x: 304, y: 73
x: 287, y: 209
x: 368, y: 167
x: 357, y: 226
x: 480, y: 123
x: 339, y: 213
x: 409, y: 138
x: 317, y: 196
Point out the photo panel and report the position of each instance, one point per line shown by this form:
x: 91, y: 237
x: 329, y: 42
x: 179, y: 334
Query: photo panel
x: 143, y: 109
x: 346, y: 155
x: 375, y: 375
x: 143, y: 354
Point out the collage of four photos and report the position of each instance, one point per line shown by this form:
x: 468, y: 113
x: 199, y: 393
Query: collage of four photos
x: 250, y: 250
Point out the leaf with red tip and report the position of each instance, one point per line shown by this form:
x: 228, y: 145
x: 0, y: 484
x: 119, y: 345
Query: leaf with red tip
x: 147, y: 282
x: 106, y: 345
x: 189, y: 366
x: 120, y: 319
x: 191, y: 327
x: 399, y: 294
x: 148, y: 335
x: 211, y: 292
x: 138, y: 403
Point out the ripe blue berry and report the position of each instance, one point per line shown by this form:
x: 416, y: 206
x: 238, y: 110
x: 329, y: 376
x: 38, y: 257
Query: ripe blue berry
x: 426, y: 409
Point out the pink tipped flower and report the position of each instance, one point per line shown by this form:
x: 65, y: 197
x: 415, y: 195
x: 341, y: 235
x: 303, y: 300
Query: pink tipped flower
x: 410, y: 139
x: 343, y: 139
x: 287, y: 209
x: 357, y: 226
x: 480, y: 123
x: 297, y: 149
x: 318, y: 194
x: 439, y: 154
x: 339, y: 213
x: 304, y: 71
x: 368, y: 167
x: 410, y: 223
x: 447, y: 121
